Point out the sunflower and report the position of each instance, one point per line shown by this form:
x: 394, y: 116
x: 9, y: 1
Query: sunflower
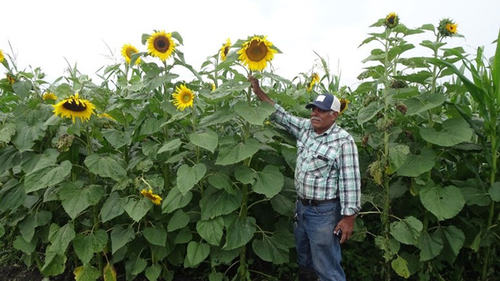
x: 343, y: 105
x: 447, y: 28
x: 127, y: 52
x: 153, y: 197
x: 391, y: 20
x: 49, y: 96
x: 314, y: 81
x: 212, y: 85
x: 2, y: 57
x: 256, y: 52
x: 224, y: 50
x: 73, y: 107
x: 161, y: 45
x: 11, y: 79
x: 183, y: 97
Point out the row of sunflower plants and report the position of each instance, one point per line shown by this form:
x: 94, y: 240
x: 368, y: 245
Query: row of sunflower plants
x: 429, y: 150
x: 148, y: 173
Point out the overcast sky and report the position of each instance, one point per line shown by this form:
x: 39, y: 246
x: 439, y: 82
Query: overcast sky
x: 91, y: 33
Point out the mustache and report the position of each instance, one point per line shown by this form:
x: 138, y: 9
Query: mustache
x: 315, y: 118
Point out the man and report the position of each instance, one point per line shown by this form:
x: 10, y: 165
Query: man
x: 328, y: 185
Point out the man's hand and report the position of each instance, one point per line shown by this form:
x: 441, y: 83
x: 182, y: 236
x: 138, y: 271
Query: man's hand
x: 258, y: 91
x: 346, y: 225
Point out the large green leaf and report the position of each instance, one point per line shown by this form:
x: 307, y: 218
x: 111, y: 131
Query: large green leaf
x: 208, y: 140
x: 415, y: 165
x: 46, y: 174
x: 397, y: 155
x: 283, y: 205
x: 400, y: 266
x: 269, y: 181
x: 113, y: 207
x: 170, y: 146
x: 475, y: 196
x: 27, y: 134
x: 14, y: 197
x: 196, y: 253
x: 137, y: 209
x: 7, y: 130
x: 211, y: 230
x: 239, y: 233
x: 423, y: 103
x: 60, y: 237
x: 444, y: 203
x: 407, y: 230
x: 75, y: 199
x: 28, y: 225
x: 244, y: 174
x: 179, y: 220
x: 254, y: 115
x: 86, y: 273
x: 24, y: 246
x: 453, y: 239
x: 120, y: 237
x: 155, y: 235
x: 86, y: 245
x: 368, y: 112
x: 271, y: 249
x: 117, y: 138
x: 221, y: 180
x: 494, y: 191
x: 187, y: 176
x: 232, y: 154
x: 175, y: 200
x: 218, y: 202
x: 108, y: 166
x: 430, y: 245
x: 454, y: 131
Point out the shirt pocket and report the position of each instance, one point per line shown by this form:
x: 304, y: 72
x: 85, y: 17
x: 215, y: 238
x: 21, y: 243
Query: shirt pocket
x: 319, y: 165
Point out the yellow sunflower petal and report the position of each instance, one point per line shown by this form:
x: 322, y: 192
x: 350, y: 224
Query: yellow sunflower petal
x: 2, y: 56
x: 161, y: 45
x: 156, y: 199
x: 74, y: 107
x: 127, y: 52
x: 49, y: 96
x: 256, y: 52
x: 183, y: 97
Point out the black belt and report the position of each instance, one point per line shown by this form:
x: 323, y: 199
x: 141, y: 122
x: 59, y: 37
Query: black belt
x: 312, y: 202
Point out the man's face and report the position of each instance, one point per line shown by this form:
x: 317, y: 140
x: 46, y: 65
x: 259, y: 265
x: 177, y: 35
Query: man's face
x: 321, y: 120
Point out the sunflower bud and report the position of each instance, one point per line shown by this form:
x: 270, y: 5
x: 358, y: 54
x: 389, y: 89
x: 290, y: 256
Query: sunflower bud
x: 401, y: 107
x: 447, y: 28
x: 392, y: 20
x: 399, y: 84
x: 64, y: 143
x: 409, y: 135
x: 375, y: 170
x: 364, y: 141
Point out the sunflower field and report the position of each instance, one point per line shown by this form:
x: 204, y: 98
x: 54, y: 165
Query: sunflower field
x: 153, y: 176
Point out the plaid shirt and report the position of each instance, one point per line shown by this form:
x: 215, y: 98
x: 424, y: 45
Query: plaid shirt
x: 327, y: 164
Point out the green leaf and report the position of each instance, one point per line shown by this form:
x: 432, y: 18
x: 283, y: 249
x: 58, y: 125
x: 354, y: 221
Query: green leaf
x: 407, y: 230
x: 211, y: 230
x: 75, y: 199
x: 46, y: 174
x: 14, y: 197
x: 135, y: 264
x: 444, y: 203
x: 175, y: 200
x: 494, y: 191
x: 367, y: 113
x: 271, y: 249
x: 86, y: 273
x: 137, y: 209
x: 254, y: 115
x: 28, y: 225
x: 283, y: 205
x: 233, y: 154
x: 423, y: 103
x: 269, y: 181
x: 400, y: 265
x: 86, y: 245
x: 27, y: 134
x: 120, y: 237
x: 475, y: 196
x: 7, y: 130
x: 170, y: 146
x: 106, y: 166
x: 113, y: 207
x: 109, y: 273
x: 208, y: 139
x: 117, y: 138
x: 155, y: 235
x: 397, y: 155
x: 179, y: 220
x: 54, y: 263
x: 239, y: 233
x: 218, y: 202
x: 453, y: 239
x: 187, y: 176
x: 22, y: 88
x: 430, y: 246
x: 61, y: 237
x: 22, y: 245
x: 153, y: 272
x: 221, y: 180
x: 454, y: 131
x: 415, y: 165
x: 244, y: 174
x: 196, y: 253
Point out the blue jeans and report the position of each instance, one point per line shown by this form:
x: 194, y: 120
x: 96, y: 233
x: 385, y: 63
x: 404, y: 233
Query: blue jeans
x: 317, y: 247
